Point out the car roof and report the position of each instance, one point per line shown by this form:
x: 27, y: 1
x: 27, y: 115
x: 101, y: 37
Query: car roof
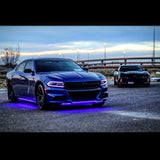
x: 48, y: 59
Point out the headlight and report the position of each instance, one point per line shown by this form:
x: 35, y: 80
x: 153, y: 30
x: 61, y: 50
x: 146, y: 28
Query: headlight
x: 58, y: 84
x: 103, y: 82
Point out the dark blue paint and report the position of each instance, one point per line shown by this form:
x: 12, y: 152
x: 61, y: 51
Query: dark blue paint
x: 24, y: 84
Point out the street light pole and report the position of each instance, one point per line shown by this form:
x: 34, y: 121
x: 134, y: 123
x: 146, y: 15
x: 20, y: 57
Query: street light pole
x: 105, y: 44
x: 77, y: 54
x: 88, y: 55
x: 153, y: 45
x: 124, y: 52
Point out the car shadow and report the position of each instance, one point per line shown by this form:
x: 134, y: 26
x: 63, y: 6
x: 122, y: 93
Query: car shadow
x: 134, y: 86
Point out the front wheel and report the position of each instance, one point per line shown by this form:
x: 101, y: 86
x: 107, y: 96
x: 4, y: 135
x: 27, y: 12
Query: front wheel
x: 41, y: 97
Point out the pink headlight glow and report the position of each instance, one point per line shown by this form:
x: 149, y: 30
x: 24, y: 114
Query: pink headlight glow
x: 103, y: 82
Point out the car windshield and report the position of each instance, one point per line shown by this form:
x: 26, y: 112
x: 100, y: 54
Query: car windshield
x: 131, y: 68
x: 56, y: 65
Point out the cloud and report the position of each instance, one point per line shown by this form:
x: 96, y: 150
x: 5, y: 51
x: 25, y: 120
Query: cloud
x: 93, y: 48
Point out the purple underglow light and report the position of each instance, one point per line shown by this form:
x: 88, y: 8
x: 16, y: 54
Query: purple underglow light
x: 29, y: 100
x: 23, y: 106
x: 86, y: 110
x: 81, y: 103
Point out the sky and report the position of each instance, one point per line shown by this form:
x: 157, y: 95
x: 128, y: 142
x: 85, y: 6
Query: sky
x: 80, y: 42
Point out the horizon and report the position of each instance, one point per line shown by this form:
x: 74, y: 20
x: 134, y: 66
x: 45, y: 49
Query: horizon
x: 81, y: 42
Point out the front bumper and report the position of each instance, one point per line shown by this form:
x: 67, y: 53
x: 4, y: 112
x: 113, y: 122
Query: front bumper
x: 89, y: 96
x: 135, y: 81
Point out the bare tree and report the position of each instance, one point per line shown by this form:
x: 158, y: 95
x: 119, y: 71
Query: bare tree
x: 10, y: 56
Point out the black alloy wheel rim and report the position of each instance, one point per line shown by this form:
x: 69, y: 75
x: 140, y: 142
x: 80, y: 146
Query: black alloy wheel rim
x: 40, y: 96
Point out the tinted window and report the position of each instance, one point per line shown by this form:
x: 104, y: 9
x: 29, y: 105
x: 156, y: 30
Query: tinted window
x: 29, y: 65
x: 20, y: 68
x: 131, y: 68
x: 56, y: 65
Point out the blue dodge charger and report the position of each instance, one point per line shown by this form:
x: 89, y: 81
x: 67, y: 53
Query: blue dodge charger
x: 56, y: 81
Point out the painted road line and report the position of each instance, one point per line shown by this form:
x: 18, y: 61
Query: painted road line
x: 144, y: 115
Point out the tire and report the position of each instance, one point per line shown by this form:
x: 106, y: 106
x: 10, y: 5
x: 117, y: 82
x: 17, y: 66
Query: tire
x: 147, y: 85
x: 11, y: 95
x: 115, y: 83
x: 118, y: 84
x: 41, y: 97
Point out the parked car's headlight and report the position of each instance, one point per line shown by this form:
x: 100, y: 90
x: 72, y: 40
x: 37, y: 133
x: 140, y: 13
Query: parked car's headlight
x: 103, y: 82
x: 55, y: 84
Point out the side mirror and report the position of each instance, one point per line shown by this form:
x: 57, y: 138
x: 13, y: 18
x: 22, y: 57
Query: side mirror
x: 146, y: 69
x: 116, y: 69
x: 85, y: 69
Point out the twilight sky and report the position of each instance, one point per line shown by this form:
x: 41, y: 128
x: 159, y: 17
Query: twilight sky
x: 87, y: 41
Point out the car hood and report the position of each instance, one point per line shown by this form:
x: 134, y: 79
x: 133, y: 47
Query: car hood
x: 136, y: 72
x: 71, y: 76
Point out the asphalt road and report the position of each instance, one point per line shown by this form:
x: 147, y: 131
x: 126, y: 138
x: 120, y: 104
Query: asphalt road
x: 129, y: 109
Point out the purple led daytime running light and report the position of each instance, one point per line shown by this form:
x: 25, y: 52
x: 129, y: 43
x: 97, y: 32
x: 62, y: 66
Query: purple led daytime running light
x: 103, y: 81
x: 55, y: 85
x: 56, y: 81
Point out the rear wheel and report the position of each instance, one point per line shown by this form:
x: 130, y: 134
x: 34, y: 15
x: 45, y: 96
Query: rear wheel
x: 41, y: 97
x: 11, y: 95
x: 115, y: 83
x: 147, y: 85
x: 118, y: 84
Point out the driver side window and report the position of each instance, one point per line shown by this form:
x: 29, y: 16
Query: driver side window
x: 29, y: 65
x: 20, y: 68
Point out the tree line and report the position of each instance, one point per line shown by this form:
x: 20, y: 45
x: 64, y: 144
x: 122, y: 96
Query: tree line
x: 10, y: 56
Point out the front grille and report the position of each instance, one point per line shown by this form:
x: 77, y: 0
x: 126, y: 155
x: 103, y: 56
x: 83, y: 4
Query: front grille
x: 84, y: 95
x: 82, y: 85
x: 136, y: 76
